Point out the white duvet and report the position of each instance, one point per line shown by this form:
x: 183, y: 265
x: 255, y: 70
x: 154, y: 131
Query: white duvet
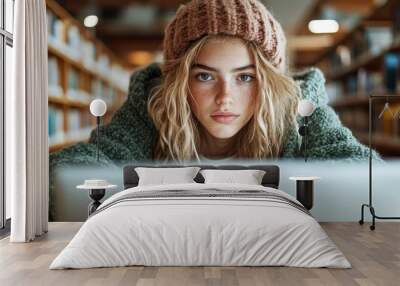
x: 176, y: 231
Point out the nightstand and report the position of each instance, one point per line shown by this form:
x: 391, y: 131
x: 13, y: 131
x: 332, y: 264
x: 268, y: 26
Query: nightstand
x: 97, y: 190
x: 305, y: 190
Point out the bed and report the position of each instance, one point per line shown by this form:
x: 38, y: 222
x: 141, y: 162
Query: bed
x: 201, y: 224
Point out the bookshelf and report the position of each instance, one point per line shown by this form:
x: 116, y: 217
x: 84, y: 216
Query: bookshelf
x: 366, y: 61
x: 80, y: 69
x: 347, y: 13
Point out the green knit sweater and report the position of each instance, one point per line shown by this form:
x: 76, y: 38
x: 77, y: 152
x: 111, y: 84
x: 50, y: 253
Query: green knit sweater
x: 130, y: 136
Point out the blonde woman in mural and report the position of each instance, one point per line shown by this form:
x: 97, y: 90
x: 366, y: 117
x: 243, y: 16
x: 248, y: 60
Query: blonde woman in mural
x: 216, y: 102
x: 223, y: 91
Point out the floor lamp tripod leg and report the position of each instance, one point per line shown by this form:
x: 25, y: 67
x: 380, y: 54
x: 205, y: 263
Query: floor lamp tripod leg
x: 372, y: 210
x: 361, y: 221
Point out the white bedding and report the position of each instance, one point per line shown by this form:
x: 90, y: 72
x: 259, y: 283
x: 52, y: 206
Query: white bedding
x: 182, y: 231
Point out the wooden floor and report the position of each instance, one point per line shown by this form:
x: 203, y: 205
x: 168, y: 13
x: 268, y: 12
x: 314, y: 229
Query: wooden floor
x: 374, y: 255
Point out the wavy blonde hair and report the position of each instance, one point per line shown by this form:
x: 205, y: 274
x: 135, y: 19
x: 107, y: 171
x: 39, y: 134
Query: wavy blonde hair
x: 179, y: 130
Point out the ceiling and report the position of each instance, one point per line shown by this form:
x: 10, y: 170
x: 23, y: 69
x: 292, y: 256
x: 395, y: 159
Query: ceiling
x: 133, y: 29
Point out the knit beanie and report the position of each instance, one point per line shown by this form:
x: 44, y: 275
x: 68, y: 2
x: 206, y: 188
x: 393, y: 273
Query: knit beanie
x: 247, y: 19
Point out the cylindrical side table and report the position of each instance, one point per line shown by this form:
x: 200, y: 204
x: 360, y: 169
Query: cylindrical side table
x: 305, y: 190
x: 96, y: 195
x: 97, y: 190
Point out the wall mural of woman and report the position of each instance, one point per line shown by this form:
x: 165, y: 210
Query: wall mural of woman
x: 223, y: 91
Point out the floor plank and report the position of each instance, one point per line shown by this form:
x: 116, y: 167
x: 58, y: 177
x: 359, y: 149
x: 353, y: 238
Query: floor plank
x: 374, y: 255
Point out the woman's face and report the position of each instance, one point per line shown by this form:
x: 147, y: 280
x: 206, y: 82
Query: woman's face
x: 223, y: 87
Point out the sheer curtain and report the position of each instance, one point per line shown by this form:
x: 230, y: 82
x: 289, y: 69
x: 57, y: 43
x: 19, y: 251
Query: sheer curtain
x: 26, y: 124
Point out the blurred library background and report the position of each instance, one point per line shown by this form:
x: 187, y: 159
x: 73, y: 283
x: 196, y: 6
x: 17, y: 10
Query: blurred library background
x: 95, y: 45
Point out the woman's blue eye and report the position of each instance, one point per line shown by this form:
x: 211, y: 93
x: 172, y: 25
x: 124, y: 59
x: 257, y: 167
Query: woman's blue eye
x: 246, y: 77
x: 204, y: 77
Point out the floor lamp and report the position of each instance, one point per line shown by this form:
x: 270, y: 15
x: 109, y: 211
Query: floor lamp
x: 370, y: 205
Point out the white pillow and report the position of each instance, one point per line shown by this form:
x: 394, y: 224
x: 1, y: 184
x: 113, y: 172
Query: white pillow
x: 163, y: 176
x: 248, y: 177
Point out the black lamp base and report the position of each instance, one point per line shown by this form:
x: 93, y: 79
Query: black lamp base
x: 96, y: 195
x: 303, y: 133
x: 302, y: 130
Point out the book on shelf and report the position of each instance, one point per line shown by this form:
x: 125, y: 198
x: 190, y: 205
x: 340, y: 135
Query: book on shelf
x: 54, y: 87
x: 72, y: 84
x: 391, y: 70
x: 104, y: 92
x: 359, y: 44
x: 396, y: 22
x: 77, y: 130
x: 74, y: 122
x: 334, y: 62
x: 88, y: 50
x: 55, y: 26
x: 362, y: 79
x: 73, y: 79
x: 108, y: 95
x: 120, y: 77
x: 97, y: 88
x: 81, y: 134
x: 80, y: 49
x: 375, y: 82
x: 344, y: 55
x: 73, y: 42
x: 55, y: 32
x: 55, y: 125
x: 378, y: 38
x: 364, y: 83
x: 334, y: 91
x: 103, y: 65
x: 55, y: 91
x: 351, y: 85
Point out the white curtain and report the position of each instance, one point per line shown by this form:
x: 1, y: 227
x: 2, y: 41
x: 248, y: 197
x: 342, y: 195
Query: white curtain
x: 26, y: 124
